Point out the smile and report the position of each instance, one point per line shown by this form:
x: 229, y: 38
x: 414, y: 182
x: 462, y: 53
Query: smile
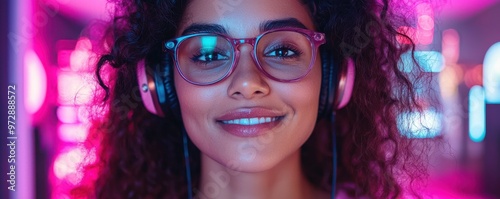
x: 251, y: 121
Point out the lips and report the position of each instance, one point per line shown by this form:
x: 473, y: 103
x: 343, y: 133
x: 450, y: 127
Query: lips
x: 250, y: 122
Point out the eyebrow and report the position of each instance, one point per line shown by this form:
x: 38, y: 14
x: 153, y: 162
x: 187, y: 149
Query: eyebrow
x: 264, y: 26
x: 208, y: 28
x: 281, y: 23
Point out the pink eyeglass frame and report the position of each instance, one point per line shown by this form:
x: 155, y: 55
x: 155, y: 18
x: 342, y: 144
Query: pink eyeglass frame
x: 316, y: 39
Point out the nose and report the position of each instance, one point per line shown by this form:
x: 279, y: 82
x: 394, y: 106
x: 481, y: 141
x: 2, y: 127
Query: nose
x: 247, y: 82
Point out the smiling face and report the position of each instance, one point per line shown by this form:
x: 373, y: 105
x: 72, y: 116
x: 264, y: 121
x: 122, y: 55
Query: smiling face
x: 248, y: 122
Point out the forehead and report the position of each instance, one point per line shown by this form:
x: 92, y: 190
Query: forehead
x: 242, y: 18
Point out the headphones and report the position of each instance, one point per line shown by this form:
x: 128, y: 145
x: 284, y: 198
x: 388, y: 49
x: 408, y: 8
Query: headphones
x: 155, y: 78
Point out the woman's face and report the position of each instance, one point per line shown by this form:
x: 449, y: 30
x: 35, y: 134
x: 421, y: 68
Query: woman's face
x: 214, y: 115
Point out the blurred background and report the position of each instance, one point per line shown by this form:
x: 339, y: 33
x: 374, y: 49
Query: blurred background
x: 46, y: 45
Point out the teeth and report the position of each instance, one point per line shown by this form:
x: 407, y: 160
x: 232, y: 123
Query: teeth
x: 250, y: 121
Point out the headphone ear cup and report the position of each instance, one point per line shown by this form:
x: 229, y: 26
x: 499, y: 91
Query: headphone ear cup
x: 165, y: 77
x: 345, y: 83
x: 147, y: 86
x: 336, y: 84
x: 155, y: 78
x: 328, y: 83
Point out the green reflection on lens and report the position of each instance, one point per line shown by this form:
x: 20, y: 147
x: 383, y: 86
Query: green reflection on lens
x: 208, y: 42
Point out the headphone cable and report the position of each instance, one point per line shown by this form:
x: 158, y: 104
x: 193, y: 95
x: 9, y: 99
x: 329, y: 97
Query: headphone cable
x: 334, y: 158
x: 187, y: 164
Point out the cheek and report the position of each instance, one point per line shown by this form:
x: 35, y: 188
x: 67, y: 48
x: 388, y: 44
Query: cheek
x: 304, y: 95
x: 197, y: 103
x: 303, y: 98
x: 307, y: 99
x: 194, y: 100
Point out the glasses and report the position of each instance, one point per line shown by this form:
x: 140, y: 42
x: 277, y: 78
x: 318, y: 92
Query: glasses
x: 284, y: 55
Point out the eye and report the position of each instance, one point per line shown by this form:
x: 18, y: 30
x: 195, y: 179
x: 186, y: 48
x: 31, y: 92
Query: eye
x: 283, y: 52
x: 207, y: 57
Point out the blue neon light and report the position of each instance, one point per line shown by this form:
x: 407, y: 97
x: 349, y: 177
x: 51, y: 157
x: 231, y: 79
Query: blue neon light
x: 477, y: 114
x: 430, y: 61
x: 491, y: 74
x: 420, y: 125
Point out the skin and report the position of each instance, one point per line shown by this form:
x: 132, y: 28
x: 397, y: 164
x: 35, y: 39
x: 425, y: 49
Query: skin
x: 263, y: 166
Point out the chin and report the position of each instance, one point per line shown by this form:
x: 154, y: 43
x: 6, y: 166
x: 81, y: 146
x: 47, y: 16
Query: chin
x: 251, y: 160
x: 254, y: 166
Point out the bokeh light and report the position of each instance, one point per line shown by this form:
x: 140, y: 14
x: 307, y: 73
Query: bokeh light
x: 477, y: 114
x: 35, y: 81
x: 420, y: 125
x: 68, y: 164
x: 492, y: 74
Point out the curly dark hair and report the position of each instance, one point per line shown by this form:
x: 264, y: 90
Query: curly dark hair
x: 140, y: 155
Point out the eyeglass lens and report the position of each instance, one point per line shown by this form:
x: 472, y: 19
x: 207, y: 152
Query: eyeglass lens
x: 284, y: 55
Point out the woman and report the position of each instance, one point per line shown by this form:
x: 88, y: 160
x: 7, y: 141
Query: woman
x: 243, y: 101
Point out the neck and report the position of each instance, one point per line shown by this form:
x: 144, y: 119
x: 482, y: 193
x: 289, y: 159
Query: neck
x: 285, y: 180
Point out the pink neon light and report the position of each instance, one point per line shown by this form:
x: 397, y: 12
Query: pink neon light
x: 67, y: 114
x: 74, y: 88
x: 451, y: 46
x: 67, y: 165
x: 80, y: 57
x: 63, y: 58
x: 35, y: 81
x: 426, y: 22
x: 59, y: 195
x: 411, y: 32
x: 425, y: 37
x: 425, y: 9
x: 76, y: 133
x: 85, y: 10
x: 83, y: 114
x: 474, y: 76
